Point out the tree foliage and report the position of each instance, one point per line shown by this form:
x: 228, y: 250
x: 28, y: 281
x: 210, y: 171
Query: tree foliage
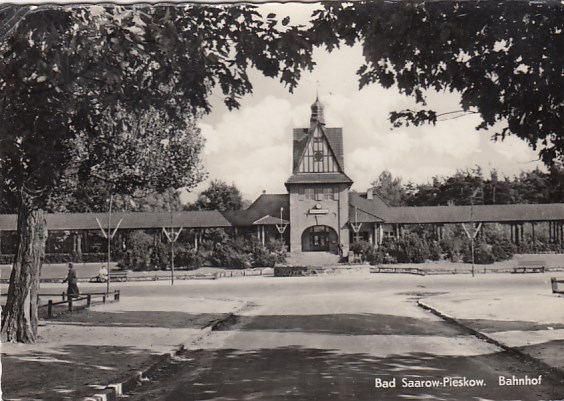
x: 504, y: 58
x: 219, y: 196
x: 470, y: 185
x: 111, y: 93
x: 390, y: 189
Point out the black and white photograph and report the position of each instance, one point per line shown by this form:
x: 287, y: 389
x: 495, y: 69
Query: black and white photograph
x: 271, y: 201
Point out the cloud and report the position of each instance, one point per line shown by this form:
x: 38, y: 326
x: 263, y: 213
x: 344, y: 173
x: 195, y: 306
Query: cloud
x: 252, y: 147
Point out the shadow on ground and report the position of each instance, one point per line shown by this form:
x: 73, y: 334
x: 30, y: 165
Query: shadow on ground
x: 162, y: 319
x: 295, y: 373
x: 490, y: 326
x: 347, y: 324
x: 68, y: 372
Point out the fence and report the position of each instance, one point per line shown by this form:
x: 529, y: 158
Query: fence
x: 71, y: 302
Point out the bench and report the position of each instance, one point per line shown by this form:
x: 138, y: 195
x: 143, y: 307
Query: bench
x: 530, y: 266
x: 118, y: 276
x: 388, y: 269
x: 554, y: 282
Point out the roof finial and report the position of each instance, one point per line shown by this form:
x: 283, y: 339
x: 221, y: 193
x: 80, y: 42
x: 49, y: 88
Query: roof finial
x: 317, y: 112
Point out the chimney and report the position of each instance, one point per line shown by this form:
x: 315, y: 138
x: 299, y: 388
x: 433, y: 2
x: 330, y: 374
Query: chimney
x: 370, y: 194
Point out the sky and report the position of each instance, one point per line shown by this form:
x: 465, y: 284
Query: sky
x: 252, y: 147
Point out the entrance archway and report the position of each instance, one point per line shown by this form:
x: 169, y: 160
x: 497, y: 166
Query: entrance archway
x: 319, y: 239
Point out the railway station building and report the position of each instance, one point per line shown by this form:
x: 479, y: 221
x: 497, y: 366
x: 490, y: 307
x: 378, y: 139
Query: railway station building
x: 318, y: 213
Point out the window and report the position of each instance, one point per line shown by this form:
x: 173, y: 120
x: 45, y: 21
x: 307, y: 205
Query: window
x: 319, y: 193
x: 309, y: 193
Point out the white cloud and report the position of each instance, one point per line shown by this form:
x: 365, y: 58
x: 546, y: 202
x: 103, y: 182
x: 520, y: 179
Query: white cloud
x: 252, y: 147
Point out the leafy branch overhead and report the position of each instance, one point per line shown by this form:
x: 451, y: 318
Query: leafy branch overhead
x: 108, y: 96
x: 78, y: 82
x: 504, y: 58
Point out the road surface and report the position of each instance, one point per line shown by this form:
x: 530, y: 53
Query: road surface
x: 345, y: 337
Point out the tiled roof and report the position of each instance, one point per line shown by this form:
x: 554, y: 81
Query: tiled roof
x: 479, y: 213
x: 300, y: 143
x: 357, y: 215
x: 452, y: 214
x: 265, y: 205
x: 270, y: 221
x: 376, y: 206
x: 130, y: 220
x: 319, y: 178
x: 335, y: 139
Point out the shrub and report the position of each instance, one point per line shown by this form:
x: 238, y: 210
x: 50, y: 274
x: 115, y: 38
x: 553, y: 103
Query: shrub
x: 187, y: 257
x: 482, y: 254
x: 7, y: 259
x: 143, y: 254
x: 57, y: 258
x: 230, y: 254
x: 94, y: 257
x: 411, y: 249
x: 246, y: 252
x: 279, y: 249
x: 435, y: 251
x: 376, y: 257
x: 503, y: 250
x: 363, y: 248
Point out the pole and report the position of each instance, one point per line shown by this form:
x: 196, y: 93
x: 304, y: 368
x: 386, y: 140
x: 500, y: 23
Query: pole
x: 109, y: 244
x: 282, y: 232
x: 171, y: 239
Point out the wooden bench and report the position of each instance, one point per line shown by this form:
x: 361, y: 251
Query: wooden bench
x: 388, y: 269
x: 118, y: 276
x: 530, y: 266
x: 554, y: 282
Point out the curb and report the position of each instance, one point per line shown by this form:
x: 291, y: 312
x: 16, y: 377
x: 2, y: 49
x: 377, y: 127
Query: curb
x: 484, y: 337
x: 114, y: 391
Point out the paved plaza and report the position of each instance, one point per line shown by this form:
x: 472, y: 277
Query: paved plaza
x: 343, y: 336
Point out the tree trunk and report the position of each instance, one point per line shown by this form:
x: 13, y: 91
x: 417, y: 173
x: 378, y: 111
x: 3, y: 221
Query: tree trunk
x: 19, y: 320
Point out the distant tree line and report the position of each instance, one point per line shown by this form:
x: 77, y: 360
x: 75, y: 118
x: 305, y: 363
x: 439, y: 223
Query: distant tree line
x: 535, y: 186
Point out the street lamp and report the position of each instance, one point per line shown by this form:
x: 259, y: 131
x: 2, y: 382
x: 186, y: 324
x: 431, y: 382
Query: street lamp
x: 474, y: 229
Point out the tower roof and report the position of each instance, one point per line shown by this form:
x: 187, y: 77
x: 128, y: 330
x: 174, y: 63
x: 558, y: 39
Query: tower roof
x: 317, y: 115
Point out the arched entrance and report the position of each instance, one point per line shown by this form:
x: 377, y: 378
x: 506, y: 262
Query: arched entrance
x: 319, y: 239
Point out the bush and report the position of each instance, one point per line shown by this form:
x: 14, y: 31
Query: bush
x: 482, y: 254
x: 7, y: 259
x: 230, y: 254
x: 187, y: 257
x: 376, y: 257
x: 411, y: 249
x: 246, y: 252
x: 503, y: 250
x: 57, y: 258
x: 95, y: 257
x: 143, y: 254
x: 435, y: 251
x: 363, y: 248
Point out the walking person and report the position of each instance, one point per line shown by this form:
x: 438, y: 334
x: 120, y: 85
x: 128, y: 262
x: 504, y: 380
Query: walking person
x: 72, y: 288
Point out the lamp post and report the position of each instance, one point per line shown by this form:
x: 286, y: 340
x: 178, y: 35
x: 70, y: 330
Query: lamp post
x: 109, y: 244
x: 282, y: 233
x: 474, y: 230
